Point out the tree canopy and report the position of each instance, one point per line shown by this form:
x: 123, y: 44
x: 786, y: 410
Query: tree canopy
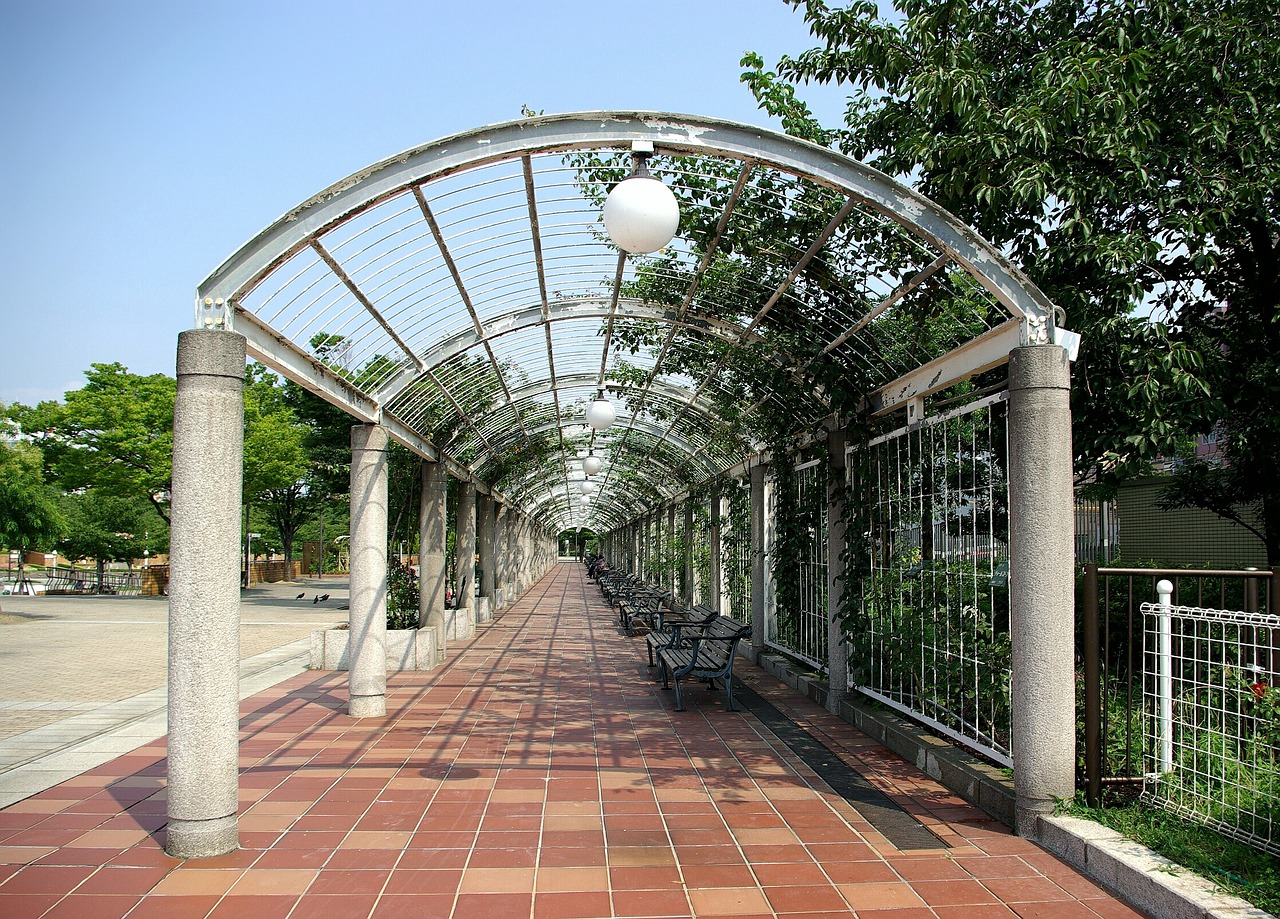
x: 29, y: 514
x: 1124, y: 153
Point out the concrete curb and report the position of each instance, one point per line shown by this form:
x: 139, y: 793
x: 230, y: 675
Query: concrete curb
x: 1139, y: 876
x: 1128, y: 869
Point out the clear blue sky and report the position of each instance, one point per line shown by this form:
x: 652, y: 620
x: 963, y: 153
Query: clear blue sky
x: 143, y: 142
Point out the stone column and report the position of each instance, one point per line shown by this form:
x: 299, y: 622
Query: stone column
x: 501, y: 522
x: 511, y: 570
x: 432, y: 540
x: 837, y: 648
x: 672, y: 576
x: 690, y: 588
x: 759, y: 573
x: 204, y: 595
x: 367, y: 618
x: 484, y: 521
x: 714, y: 589
x: 462, y: 618
x: 1041, y: 581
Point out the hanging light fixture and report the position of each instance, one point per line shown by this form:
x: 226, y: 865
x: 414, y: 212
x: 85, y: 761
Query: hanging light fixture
x: 600, y: 413
x: 585, y: 488
x: 641, y: 214
x: 585, y: 499
x: 592, y: 465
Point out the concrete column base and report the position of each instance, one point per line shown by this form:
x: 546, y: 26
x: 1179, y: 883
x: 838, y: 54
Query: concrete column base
x: 499, y: 597
x: 484, y: 610
x: 460, y: 624
x: 202, y: 838
x: 367, y: 706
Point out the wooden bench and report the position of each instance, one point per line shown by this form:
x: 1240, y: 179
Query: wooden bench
x: 705, y: 654
x: 644, y: 607
x: 667, y: 630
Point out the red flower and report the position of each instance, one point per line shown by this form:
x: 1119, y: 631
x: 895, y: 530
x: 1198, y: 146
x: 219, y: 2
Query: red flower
x: 1259, y: 689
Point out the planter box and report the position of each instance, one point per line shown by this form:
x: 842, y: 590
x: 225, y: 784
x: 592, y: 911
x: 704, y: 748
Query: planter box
x: 459, y: 624
x: 407, y: 649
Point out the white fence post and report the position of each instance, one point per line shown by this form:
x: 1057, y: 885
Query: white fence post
x: 1164, y: 694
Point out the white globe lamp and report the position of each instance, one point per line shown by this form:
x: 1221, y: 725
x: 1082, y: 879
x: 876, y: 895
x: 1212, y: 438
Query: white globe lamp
x: 601, y: 413
x: 592, y: 465
x: 585, y: 488
x: 585, y: 499
x: 641, y: 215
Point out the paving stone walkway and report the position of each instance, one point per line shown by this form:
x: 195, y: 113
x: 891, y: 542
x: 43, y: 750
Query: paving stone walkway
x: 540, y: 774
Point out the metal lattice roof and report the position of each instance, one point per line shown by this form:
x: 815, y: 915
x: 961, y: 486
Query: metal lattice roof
x: 464, y: 294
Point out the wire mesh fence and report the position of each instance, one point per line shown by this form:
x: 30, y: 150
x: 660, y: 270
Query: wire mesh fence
x: 1212, y: 713
x: 1110, y: 643
x: 932, y: 638
x: 735, y: 550
x: 797, y: 617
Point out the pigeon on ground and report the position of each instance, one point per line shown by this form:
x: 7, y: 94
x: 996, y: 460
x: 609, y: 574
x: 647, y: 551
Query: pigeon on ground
x: 324, y: 597
x: 301, y: 596
x: 315, y: 600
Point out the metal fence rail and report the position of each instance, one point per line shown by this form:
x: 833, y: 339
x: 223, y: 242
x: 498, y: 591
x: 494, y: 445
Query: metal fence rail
x: 934, y: 637
x: 1212, y: 712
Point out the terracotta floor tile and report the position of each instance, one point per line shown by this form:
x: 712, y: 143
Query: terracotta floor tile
x: 953, y: 893
x: 188, y: 907
x: 880, y: 895
x: 1066, y: 910
x: 572, y: 857
x: 340, y: 881
x: 423, y: 881
x: 813, y: 898
x: 114, y: 879
x: 700, y: 876
x: 641, y: 903
x: 986, y: 911
x: 78, y: 906
x: 729, y: 901
x: 790, y: 874
x: 997, y: 867
x: 257, y: 906
x: 296, y: 859
x: 579, y: 905
x: 271, y: 881
x: 1026, y: 890
x: 44, y: 879
x: 197, y: 881
x: 649, y: 877
x: 494, y: 905
x: 497, y: 880
x: 416, y: 907
x: 336, y: 906
x: 551, y: 879
x: 642, y: 857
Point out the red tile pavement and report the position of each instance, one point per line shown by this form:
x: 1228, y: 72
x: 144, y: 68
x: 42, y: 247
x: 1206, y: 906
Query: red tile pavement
x: 540, y: 774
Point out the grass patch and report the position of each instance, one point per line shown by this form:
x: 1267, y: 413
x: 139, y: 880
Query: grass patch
x: 1245, y: 872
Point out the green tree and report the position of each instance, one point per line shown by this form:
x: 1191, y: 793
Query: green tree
x: 114, y: 434
x: 1124, y: 152
x: 108, y: 528
x: 276, y: 465
x: 29, y: 515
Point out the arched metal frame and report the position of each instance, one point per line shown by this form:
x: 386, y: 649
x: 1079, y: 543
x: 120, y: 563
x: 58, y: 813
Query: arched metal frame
x: 462, y: 293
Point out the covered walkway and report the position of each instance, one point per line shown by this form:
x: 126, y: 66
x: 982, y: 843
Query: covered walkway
x: 539, y: 773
